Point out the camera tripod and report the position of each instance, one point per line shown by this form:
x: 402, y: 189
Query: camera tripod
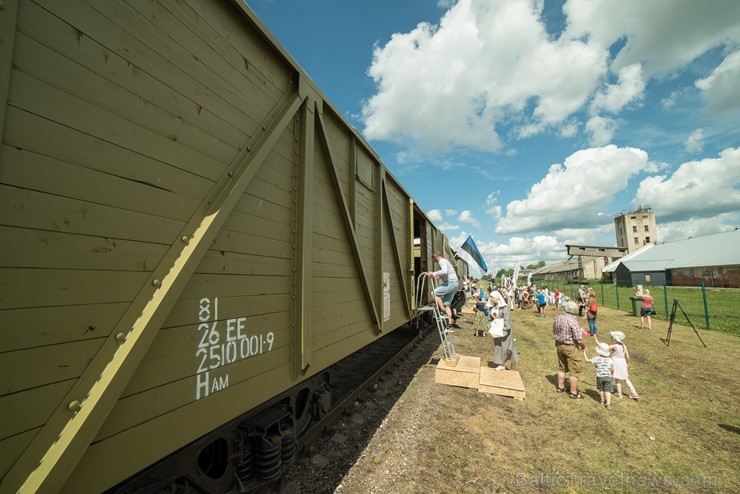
x: 673, y: 318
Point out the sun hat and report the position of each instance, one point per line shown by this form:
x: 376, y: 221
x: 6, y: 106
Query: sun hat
x: 618, y: 336
x: 602, y: 349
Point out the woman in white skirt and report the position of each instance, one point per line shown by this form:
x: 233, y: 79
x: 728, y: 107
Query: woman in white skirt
x: 621, y: 359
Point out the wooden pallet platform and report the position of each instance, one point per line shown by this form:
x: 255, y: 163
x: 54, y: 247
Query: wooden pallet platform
x: 504, y: 383
x: 465, y: 374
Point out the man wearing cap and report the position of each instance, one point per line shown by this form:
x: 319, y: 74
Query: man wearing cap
x: 569, y: 346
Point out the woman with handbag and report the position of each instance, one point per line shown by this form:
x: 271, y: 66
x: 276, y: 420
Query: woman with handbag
x: 504, y: 346
x: 593, y: 309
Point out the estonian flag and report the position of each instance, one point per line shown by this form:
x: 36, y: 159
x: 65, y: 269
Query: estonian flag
x: 472, y: 256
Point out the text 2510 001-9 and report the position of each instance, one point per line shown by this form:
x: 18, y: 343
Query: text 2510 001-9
x: 222, y: 343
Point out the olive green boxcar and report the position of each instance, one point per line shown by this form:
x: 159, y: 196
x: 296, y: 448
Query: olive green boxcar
x: 188, y: 229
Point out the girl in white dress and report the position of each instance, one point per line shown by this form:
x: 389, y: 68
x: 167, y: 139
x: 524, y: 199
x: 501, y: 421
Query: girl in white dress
x: 621, y: 359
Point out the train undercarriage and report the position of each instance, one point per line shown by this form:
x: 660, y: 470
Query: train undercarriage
x: 243, y: 455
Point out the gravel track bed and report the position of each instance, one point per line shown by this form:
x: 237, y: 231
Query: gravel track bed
x: 334, y: 462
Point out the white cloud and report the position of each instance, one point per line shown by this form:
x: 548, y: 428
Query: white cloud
x: 614, y: 97
x: 452, y: 85
x: 467, y: 217
x: 601, y: 130
x: 697, y: 189
x: 424, y: 74
x: 661, y: 35
x: 490, y: 70
x: 680, y: 230
x: 549, y: 248
x: 695, y: 142
x: 719, y: 89
x: 589, y: 236
x: 670, y: 101
x: 574, y: 193
x: 456, y: 242
x: 700, y: 197
x: 530, y: 250
x: 492, y: 206
x: 449, y: 227
x: 569, y: 129
x: 435, y: 215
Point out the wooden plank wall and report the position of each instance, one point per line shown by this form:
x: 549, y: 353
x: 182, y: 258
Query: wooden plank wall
x: 116, y: 127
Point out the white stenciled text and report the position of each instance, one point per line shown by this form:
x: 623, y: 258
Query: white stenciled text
x: 222, y: 343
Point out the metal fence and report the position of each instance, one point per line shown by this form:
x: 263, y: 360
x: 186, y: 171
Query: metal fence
x: 705, y: 308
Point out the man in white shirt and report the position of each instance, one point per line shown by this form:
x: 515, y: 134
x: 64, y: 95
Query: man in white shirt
x: 449, y: 284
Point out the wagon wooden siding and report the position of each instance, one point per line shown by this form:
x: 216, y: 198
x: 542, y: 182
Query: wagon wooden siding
x: 116, y: 154
x: 188, y: 229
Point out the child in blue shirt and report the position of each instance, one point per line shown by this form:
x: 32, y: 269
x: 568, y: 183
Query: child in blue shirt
x: 541, y: 303
x: 604, y: 369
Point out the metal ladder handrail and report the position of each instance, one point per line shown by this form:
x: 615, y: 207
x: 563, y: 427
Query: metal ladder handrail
x: 447, y: 346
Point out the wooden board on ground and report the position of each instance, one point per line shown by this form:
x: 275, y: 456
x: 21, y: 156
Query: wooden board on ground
x: 465, y: 374
x: 504, y: 383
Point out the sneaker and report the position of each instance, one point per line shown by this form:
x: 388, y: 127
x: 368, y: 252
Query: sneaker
x: 449, y: 329
x: 499, y: 368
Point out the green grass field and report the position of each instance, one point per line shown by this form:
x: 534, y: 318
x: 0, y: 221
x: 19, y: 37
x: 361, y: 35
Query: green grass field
x: 721, y: 312
x: 683, y: 435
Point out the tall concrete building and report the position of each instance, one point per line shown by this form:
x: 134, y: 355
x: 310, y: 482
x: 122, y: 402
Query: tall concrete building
x: 636, y: 228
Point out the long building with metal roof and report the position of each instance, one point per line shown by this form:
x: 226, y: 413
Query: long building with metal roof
x: 713, y: 259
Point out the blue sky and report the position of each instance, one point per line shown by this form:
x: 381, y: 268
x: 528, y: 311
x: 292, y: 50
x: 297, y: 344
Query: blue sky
x: 530, y: 123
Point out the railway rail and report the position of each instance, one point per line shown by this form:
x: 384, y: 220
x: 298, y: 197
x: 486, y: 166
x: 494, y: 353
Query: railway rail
x: 356, y: 374
x: 323, y: 464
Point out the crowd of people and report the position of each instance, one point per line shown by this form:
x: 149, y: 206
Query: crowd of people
x: 524, y: 297
x: 492, y: 308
